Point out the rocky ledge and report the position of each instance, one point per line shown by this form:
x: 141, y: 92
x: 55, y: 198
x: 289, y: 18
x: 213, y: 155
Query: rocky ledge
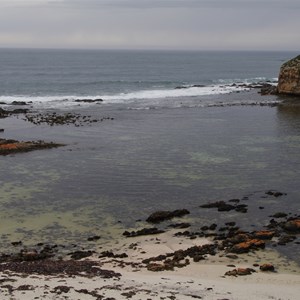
x: 13, y: 146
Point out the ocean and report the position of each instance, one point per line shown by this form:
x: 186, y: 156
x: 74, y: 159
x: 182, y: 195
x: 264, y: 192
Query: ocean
x: 55, y: 78
x: 179, y: 129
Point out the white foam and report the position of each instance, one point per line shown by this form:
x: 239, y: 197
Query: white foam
x: 155, y: 94
x: 172, y: 93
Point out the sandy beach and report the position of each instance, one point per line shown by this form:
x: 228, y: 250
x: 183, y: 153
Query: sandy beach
x: 198, y: 280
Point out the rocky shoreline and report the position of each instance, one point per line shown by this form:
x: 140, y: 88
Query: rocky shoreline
x: 228, y: 242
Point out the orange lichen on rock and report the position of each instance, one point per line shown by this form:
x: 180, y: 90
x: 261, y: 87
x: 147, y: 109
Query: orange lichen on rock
x: 264, y: 234
x: 12, y: 146
x: 246, y: 246
x: 9, y: 146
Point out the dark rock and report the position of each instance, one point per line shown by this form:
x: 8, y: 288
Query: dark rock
x: 232, y: 256
x: 226, y: 207
x: 234, y: 200
x: 62, y: 289
x: 1, y: 130
x: 179, y: 258
x: 144, y: 231
x: 198, y: 85
x: 241, y: 208
x: 279, y: 215
x: 268, y: 89
x: 267, y: 268
x: 213, y: 226
x: 59, y: 267
x: 180, y: 87
x: 286, y: 239
x: 161, y: 216
x: 93, y: 238
x: 223, y: 206
x: 25, y: 287
x: 240, y: 272
x: 18, y: 103
x: 19, y: 243
x: 220, y: 205
x: 19, y: 111
x: 180, y: 225
x: 110, y: 254
x: 197, y: 258
x: 230, y: 224
x: 275, y: 193
x: 52, y: 119
x: 292, y: 225
x: 89, y: 100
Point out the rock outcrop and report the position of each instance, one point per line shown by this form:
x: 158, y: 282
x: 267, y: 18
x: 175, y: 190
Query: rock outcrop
x: 289, y: 77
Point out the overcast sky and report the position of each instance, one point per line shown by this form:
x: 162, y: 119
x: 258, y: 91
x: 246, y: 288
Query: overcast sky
x: 151, y: 24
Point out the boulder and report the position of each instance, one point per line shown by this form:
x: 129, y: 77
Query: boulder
x: 289, y: 77
x: 267, y: 268
x: 240, y: 272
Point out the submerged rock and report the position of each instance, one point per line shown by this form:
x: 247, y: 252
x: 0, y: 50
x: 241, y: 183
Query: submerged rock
x: 223, y: 206
x: 160, y: 216
x: 144, y: 231
x: 292, y: 225
x: 289, y: 77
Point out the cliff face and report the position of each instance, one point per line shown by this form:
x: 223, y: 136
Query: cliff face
x: 289, y: 77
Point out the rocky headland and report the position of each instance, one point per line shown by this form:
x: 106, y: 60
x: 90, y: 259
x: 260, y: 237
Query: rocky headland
x: 289, y: 77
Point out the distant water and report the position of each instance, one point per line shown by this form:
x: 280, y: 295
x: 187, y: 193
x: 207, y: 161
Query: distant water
x: 55, y: 78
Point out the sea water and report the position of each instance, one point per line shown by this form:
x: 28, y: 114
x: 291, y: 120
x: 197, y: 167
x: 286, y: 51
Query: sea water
x: 55, y: 78
x: 163, y: 148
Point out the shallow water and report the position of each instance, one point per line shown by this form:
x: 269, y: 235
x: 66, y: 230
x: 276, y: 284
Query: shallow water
x: 116, y: 172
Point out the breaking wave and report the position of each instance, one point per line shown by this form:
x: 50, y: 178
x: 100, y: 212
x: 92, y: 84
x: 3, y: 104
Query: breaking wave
x: 155, y: 94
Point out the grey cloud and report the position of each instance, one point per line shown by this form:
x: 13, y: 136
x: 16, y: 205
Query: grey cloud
x: 151, y: 24
x: 178, y: 3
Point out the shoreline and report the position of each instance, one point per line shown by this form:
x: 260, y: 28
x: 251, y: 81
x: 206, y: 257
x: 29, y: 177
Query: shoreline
x: 194, y: 281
